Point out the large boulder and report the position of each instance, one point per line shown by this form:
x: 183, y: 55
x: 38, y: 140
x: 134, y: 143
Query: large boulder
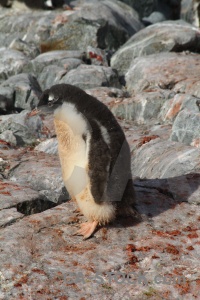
x: 177, y: 72
x: 104, y: 24
x: 169, y: 36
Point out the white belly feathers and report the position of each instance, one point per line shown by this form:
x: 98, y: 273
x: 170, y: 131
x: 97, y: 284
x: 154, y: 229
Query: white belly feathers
x: 73, y: 150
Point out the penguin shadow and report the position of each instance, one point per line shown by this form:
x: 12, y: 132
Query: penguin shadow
x: 155, y: 196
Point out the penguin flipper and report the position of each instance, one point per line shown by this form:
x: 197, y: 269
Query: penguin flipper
x: 100, y: 160
x: 35, y: 85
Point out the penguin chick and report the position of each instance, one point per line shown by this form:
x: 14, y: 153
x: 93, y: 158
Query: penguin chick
x: 6, y: 105
x: 94, y: 155
x: 6, y: 3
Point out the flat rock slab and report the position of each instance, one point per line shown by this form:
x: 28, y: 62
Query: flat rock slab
x: 14, y: 194
x: 41, y: 172
x: 158, y: 256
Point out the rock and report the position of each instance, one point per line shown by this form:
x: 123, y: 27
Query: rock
x: 86, y: 76
x: 106, y: 25
x: 12, y: 195
x: 3, y: 165
x: 51, y: 75
x: 190, y: 11
x: 16, y: 25
x: 51, y: 257
x: 18, y: 88
x: 164, y: 159
x: 25, y: 128
x: 97, y: 56
x: 40, y: 28
x: 177, y: 103
x: 41, y: 172
x: 155, y: 39
x: 11, y: 63
x: 164, y: 70
x: 186, y: 128
x: 9, y: 216
x: 57, y: 58
x: 49, y: 146
x: 28, y: 49
x: 143, y: 108
x: 155, y: 17
x: 9, y: 137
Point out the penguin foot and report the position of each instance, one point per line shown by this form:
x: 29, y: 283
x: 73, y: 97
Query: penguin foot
x: 87, y: 229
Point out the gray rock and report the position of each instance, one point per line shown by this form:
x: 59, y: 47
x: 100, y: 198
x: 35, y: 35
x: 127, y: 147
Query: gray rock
x: 13, y: 195
x: 170, y: 36
x: 165, y: 159
x: 30, y: 50
x: 25, y: 128
x: 49, y: 146
x: 164, y: 70
x: 117, y: 14
x: 39, y: 29
x: 155, y: 17
x: 11, y: 62
x: 15, y: 25
x: 9, y: 137
x: 177, y: 103
x: 50, y: 75
x: 186, y: 128
x: 53, y: 58
x: 18, y: 88
x: 90, y: 76
x: 143, y: 108
x: 190, y: 11
x: 41, y: 172
x: 9, y: 216
x: 106, y: 24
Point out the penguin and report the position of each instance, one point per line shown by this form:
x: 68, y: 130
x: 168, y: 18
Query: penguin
x: 94, y: 156
x: 6, y: 3
x: 44, y: 4
x: 7, y: 105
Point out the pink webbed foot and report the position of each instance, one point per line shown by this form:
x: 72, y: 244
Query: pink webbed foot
x: 87, y: 229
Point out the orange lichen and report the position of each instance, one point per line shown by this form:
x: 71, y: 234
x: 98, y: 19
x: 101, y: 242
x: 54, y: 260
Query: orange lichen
x: 147, y: 139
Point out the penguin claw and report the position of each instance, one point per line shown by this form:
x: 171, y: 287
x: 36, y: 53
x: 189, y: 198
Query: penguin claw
x: 87, y: 229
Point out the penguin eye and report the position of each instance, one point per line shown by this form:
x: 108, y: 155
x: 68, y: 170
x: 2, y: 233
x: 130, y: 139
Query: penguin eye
x: 51, y: 97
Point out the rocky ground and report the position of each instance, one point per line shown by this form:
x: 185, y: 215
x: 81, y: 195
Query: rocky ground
x: 149, y: 78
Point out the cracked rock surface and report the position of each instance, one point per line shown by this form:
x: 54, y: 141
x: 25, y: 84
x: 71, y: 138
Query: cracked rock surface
x: 149, y: 78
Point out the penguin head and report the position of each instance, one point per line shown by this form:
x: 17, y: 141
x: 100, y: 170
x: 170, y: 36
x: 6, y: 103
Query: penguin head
x: 60, y: 93
x: 53, y: 99
x: 53, y: 96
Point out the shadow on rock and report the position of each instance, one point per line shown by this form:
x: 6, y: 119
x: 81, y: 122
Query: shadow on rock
x: 155, y: 196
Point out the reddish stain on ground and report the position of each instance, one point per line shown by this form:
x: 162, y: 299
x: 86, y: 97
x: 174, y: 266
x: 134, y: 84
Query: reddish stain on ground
x: 171, y: 249
x: 193, y: 235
